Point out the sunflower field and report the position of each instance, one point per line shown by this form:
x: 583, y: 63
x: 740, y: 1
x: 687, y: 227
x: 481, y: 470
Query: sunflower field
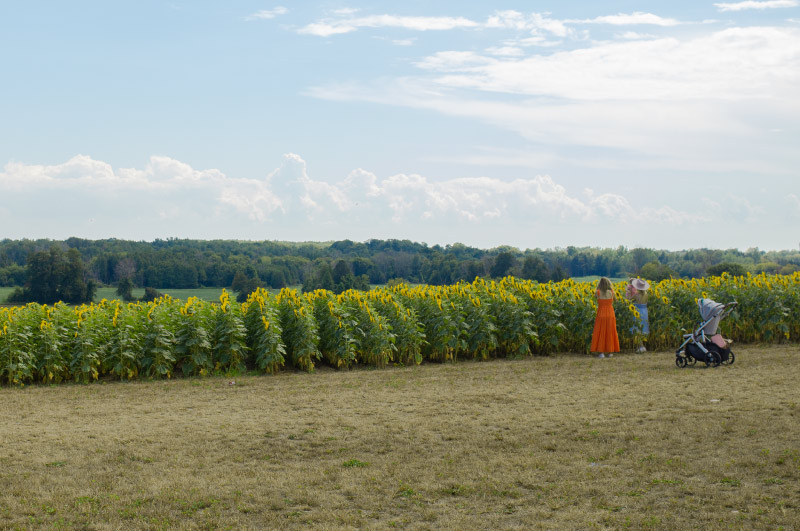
x: 395, y: 325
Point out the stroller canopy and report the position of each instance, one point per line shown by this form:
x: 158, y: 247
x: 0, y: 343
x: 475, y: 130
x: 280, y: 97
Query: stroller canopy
x: 709, y: 308
x: 710, y: 311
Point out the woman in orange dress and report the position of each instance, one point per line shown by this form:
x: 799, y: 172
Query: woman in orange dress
x: 604, y: 337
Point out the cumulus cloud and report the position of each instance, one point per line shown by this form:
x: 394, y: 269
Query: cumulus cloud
x: 83, y: 172
x: 736, y: 207
x: 743, y: 208
x: 753, y: 4
x: 169, y: 190
x: 163, y: 188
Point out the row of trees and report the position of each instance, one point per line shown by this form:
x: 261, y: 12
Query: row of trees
x: 55, y: 275
x: 336, y: 266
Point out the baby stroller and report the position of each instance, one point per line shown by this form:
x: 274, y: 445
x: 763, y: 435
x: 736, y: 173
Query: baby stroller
x: 705, y: 344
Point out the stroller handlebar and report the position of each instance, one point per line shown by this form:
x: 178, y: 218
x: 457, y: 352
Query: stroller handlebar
x: 728, y: 308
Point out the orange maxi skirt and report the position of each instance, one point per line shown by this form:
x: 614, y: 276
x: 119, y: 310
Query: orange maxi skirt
x: 604, y: 336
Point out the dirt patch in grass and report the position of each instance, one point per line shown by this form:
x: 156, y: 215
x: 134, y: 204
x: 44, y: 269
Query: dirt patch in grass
x: 563, y: 442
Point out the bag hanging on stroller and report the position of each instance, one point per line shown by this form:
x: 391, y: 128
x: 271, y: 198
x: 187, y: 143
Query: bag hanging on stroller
x: 705, y: 344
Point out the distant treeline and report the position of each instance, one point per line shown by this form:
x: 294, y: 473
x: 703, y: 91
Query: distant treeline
x: 182, y: 263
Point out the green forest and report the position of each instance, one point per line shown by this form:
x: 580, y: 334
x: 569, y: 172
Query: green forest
x: 340, y: 265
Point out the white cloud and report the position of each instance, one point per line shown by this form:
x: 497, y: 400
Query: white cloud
x: 166, y: 197
x: 742, y: 208
x: 734, y: 207
x: 345, y: 11
x: 266, y: 14
x: 253, y: 201
x: 506, y: 51
x: 347, y: 22
x: 752, y: 4
x: 633, y: 35
x: 677, y: 103
x: 82, y: 176
x: 453, y: 61
x: 168, y: 189
x: 632, y: 19
x: 735, y: 63
x: 532, y: 22
x: 411, y: 198
x: 538, y: 40
x: 329, y: 27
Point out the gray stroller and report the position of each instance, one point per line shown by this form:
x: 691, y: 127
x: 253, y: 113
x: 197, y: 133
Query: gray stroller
x: 705, y: 343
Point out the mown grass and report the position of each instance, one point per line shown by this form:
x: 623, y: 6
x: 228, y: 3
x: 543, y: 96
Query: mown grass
x: 562, y: 442
x: 5, y: 291
x: 206, y: 294
x: 595, y: 278
x: 110, y: 293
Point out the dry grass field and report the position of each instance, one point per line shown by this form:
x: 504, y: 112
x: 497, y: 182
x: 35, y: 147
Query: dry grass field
x: 564, y: 442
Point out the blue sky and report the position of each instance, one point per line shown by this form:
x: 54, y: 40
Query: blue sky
x: 670, y: 125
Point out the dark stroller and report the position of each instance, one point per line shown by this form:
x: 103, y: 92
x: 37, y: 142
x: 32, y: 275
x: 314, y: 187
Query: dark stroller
x: 705, y: 344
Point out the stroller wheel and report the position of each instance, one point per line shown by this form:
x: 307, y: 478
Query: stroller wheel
x: 713, y: 359
x: 730, y: 359
x: 680, y: 361
x: 690, y: 360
